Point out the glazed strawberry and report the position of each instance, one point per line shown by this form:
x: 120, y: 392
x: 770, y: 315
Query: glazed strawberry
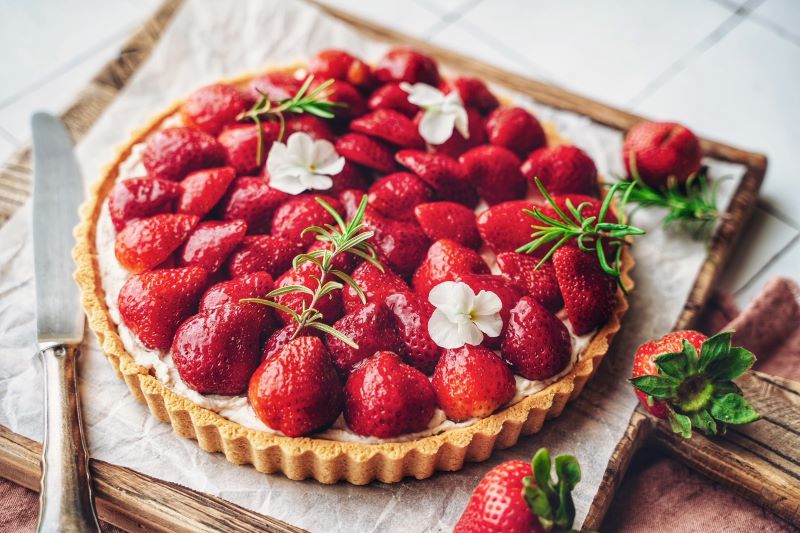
x: 276, y: 85
x: 172, y: 153
x: 446, y: 261
x: 307, y: 275
x: 241, y: 146
x: 343, y: 262
x: 316, y: 128
x: 391, y: 126
x: 505, y: 227
x: 515, y: 129
x: 391, y: 96
x: 376, y: 285
x: 537, y: 344
x: 210, y: 244
x: 662, y: 150
x: 340, y: 65
x: 257, y: 253
x: 283, y: 336
x: 403, y: 63
x: 540, y: 283
x: 473, y: 93
x: 218, y: 350
x: 153, y: 304
x: 297, y: 390
x: 402, y: 244
x: 141, y: 198
x: 443, y: 173
x: 396, y: 195
x: 385, y: 398
x: 371, y: 327
x: 213, y: 107
x: 254, y: 285
x: 508, y: 293
x: 411, y: 315
x: 203, y: 189
x: 562, y: 169
x: 448, y: 220
x: 352, y: 103
x: 300, y: 212
x: 254, y: 201
x: 366, y: 151
x: 472, y: 381
x: 148, y: 242
x: 457, y: 144
x: 589, y: 293
x: 495, y: 172
x: 352, y: 176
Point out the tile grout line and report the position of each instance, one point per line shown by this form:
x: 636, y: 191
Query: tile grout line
x: 782, y: 252
x: 777, y: 213
x: 8, y: 136
x: 774, y: 28
x: 446, y: 18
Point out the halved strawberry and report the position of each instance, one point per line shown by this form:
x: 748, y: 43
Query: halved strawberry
x: 396, y: 195
x: 375, y: 284
x: 391, y: 96
x: 589, y: 293
x: 276, y: 85
x: 508, y: 293
x: 516, y: 129
x: 471, y: 382
x: 371, y: 327
x: 366, y: 151
x: 141, y: 198
x: 403, y: 244
x: 340, y: 65
x: 147, y: 242
x: 495, y: 172
x: 457, y: 144
x: 172, y: 153
x: 403, y: 63
x: 505, y: 227
x: 315, y: 127
x: 562, y: 169
x: 448, y: 220
x: 253, y: 285
x: 210, y: 244
x: 446, y: 260
x: 258, y: 253
x: 537, y: 345
x: 203, y: 189
x: 390, y: 126
x: 153, y: 304
x: 411, y: 315
x: 540, y: 283
x: 254, y: 201
x: 213, y: 107
x: 241, y: 146
x: 473, y: 93
x: 443, y: 173
x: 352, y: 104
x: 307, y: 275
x: 299, y: 213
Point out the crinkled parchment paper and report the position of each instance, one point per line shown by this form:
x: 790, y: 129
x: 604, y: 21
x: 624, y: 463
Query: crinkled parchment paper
x: 208, y: 40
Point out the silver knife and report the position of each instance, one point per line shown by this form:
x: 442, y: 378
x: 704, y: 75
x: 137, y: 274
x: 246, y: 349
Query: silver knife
x: 66, y: 491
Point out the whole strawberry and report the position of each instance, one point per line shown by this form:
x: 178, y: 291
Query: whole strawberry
x: 446, y: 261
x: 364, y: 150
x: 444, y: 174
x: 537, y: 343
x: 520, y: 497
x: 306, y: 275
x: 390, y: 126
x: 297, y: 390
x: 516, y: 129
x: 372, y: 330
x: 411, y: 316
x: 589, y: 293
x: 210, y: 243
x: 506, y: 226
x: 686, y: 378
x: 391, y: 96
x: 473, y: 93
x: 300, y: 212
x: 374, y: 283
x: 213, y: 107
x: 240, y: 142
x: 402, y: 244
x: 562, y: 169
x: 254, y: 201
x: 261, y: 253
x: 660, y: 151
x: 232, y: 291
x: 397, y: 194
x: 385, y: 398
x: 540, y: 282
x: 203, y: 189
x: 495, y: 171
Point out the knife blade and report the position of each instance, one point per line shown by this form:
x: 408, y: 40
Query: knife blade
x: 57, y: 193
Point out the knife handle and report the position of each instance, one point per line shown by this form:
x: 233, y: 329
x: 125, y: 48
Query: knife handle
x: 66, y: 495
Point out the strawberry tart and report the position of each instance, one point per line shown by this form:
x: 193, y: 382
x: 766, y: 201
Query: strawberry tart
x: 353, y: 272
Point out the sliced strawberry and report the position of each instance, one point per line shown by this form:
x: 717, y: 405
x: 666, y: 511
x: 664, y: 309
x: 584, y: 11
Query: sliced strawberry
x: 443, y: 173
x: 516, y: 129
x: 218, y: 350
x: 254, y: 285
x: 457, y: 144
x: 307, y: 275
x: 473, y: 93
x: 385, y: 398
x: 540, y: 283
x: 147, y: 242
x: 213, y: 107
x: 352, y: 104
x: 276, y: 85
x: 371, y: 327
x: 340, y: 65
x: 403, y: 244
x: 403, y: 63
x: 254, y: 201
x: 390, y: 126
x: 589, y: 293
x: 315, y: 127
x: 301, y: 212
x: 210, y: 244
x: 375, y: 284
x: 448, y: 220
x: 472, y: 382
x: 172, y: 153
x: 446, y: 261
x: 411, y: 315
x: 396, y: 195
x: 153, y: 304
x: 203, y: 189
x: 391, y: 96
x: 297, y: 390
x: 352, y: 176
x: 562, y: 169
x: 141, y: 198
x: 366, y: 151
x: 508, y: 293
x: 258, y: 253
x: 241, y: 146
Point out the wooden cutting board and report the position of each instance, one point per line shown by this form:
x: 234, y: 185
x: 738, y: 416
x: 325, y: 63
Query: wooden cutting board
x: 761, y: 461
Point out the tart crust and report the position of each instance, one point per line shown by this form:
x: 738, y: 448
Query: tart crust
x: 327, y: 461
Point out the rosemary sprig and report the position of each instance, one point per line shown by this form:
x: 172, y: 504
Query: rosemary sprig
x: 315, y: 103
x: 692, y: 206
x: 344, y: 237
x: 592, y: 234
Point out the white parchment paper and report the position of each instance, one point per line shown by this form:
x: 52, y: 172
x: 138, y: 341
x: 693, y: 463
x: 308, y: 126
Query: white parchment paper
x: 208, y: 40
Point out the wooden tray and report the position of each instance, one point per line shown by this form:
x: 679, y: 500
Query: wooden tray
x: 762, y: 461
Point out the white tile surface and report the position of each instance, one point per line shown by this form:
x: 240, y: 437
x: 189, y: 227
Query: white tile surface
x: 410, y: 17
x: 783, y: 15
x: 449, y: 7
x: 6, y: 149
x: 609, y: 51
x: 786, y: 264
x: 744, y: 90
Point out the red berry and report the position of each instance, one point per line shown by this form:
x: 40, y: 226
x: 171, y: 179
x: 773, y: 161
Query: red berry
x: 403, y: 244
x: 262, y: 253
x: 210, y: 244
x: 473, y: 93
x: 141, y: 198
x: 241, y: 146
x: 540, y: 283
x: 203, y: 189
x: 376, y: 285
x: 391, y: 96
x: 444, y: 174
x: 508, y: 293
x: 371, y: 327
x: 446, y: 261
x: 254, y: 201
x: 515, y: 129
x: 505, y: 227
x: 301, y: 212
x: 213, y: 107
x: 391, y: 126
x: 307, y: 275
x: 448, y: 220
x: 340, y: 65
x: 172, y: 153
x: 589, y: 293
x: 403, y: 63
x: 495, y: 172
x: 366, y: 151
x: 662, y: 150
x: 537, y: 344
x: 411, y: 315
x: 396, y: 195
x: 562, y: 169
x: 148, y: 242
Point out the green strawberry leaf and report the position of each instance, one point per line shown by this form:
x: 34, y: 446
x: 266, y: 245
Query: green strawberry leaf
x: 673, y: 364
x: 539, y: 503
x: 692, y: 359
x: 731, y: 364
x: 661, y: 387
x: 714, y: 347
x: 703, y: 421
x: 565, y: 514
x: 541, y: 470
x: 680, y: 424
x: 568, y: 471
x: 733, y: 409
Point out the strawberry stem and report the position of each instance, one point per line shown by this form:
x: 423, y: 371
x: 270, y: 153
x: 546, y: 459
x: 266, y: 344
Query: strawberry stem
x: 552, y: 502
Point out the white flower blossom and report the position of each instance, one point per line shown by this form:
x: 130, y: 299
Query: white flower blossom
x: 462, y: 317
x: 302, y: 163
x: 442, y: 112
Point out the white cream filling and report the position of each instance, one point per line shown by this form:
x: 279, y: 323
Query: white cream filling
x: 237, y: 408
